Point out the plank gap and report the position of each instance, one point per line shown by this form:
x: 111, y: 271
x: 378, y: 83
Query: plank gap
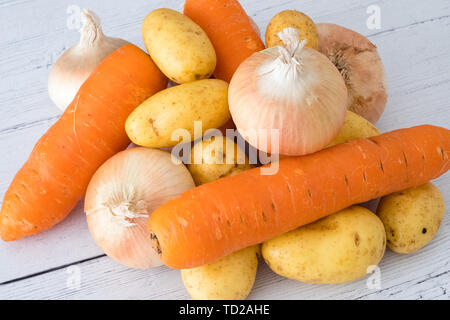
x: 51, y: 270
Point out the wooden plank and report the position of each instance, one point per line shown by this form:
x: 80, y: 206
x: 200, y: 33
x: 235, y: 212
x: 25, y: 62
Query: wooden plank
x: 416, y: 59
x: 402, y: 277
x: 38, y: 43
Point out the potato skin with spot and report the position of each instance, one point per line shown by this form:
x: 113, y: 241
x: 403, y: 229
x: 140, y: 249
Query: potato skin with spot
x: 211, y: 152
x: 355, y: 127
x: 178, y: 46
x: 411, y: 217
x: 153, y: 122
x: 293, y: 19
x: 336, y: 249
x: 229, y: 278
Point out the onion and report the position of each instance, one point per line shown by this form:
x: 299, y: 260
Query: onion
x: 122, y: 194
x: 77, y: 63
x: 360, y: 65
x: 290, y: 88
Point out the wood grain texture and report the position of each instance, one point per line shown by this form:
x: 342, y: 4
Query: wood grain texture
x: 413, y: 43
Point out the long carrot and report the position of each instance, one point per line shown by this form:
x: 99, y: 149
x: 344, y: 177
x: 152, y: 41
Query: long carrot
x: 89, y: 132
x: 229, y: 214
x: 229, y: 29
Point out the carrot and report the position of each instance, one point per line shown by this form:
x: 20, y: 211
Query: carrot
x: 91, y: 130
x: 229, y: 29
x: 218, y: 218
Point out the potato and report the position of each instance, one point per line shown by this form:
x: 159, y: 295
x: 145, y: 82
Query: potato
x: 178, y: 46
x: 411, y: 217
x: 355, y: 127
x: 152, y: 123
x: 293, y: 19
x: 213, y: 165
x: 230, y: 278
x: 336, y: 249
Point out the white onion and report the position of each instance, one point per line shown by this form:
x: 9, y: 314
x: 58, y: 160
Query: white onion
x: 77, y: 63
x: 293, y: 89
x: 123, y: 193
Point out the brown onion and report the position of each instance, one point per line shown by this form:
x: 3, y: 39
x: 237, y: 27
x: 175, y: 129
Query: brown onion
x: 360, y: 65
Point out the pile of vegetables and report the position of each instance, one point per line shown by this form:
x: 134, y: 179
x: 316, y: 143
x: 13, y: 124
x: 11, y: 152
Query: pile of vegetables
x: 320, y: 87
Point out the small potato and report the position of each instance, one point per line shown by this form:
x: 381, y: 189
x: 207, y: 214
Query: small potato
x: 411, y: 217
x: 153, y: 122
x: 210, y: 160
x: 355, y: 127
x: 178, y: 46
x: 336, y: 249
x: 230, y: 278
x: 293, y: 19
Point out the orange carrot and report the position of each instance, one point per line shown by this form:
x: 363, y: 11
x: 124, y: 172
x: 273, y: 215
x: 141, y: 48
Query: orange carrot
x: 215, y: 219
x: 91, y: 130
x: 229, y: 29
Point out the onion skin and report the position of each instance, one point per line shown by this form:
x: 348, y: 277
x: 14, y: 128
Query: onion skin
x: 361, y: 67
x: 258, y: 103
x: 143, y: 179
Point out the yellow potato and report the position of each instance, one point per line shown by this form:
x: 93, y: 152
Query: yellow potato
x: 411, y: 217
x: 355, y: 127
x: 230, y: 278
x: 153, y: 122
x: 336, y: 249
x: 293, y: 19
x: 210, y: 160
x: 178, y: 46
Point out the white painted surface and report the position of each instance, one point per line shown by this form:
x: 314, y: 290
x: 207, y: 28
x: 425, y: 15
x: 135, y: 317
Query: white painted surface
x: 413, y: 42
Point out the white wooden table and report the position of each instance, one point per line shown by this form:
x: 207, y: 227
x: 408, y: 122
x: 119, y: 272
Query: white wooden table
x: 414, y: 42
